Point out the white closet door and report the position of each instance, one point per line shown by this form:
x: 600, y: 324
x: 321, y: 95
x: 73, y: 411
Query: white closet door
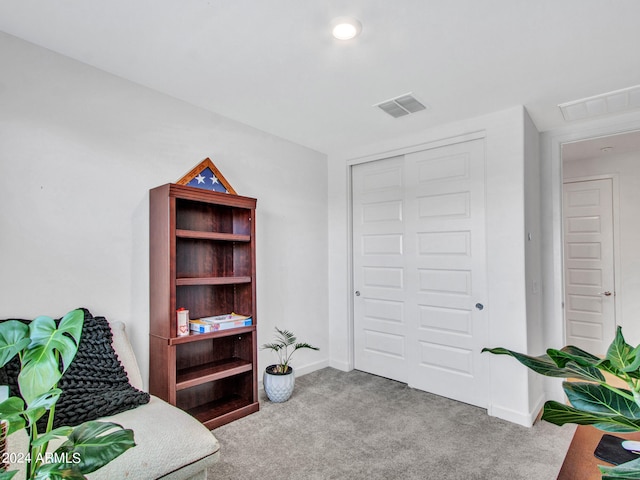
x: 378, y: 268
x: 419, y: 270
x: 446, y: 284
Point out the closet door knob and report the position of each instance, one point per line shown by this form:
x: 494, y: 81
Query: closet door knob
x: 479, y: 306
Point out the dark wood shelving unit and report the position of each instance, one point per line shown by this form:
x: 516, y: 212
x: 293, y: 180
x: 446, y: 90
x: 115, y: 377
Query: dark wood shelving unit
x: 202, y: 258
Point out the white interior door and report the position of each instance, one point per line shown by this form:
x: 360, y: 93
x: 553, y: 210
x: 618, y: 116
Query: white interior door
x: 378, y: 268
x: 589, y: 264
x: 419, y: 270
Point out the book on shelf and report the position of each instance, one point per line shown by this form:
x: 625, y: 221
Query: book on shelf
x: 229, y: 317
x: 219, y: 322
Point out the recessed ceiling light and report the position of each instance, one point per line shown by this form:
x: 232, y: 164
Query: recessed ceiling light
x: 345, y: 28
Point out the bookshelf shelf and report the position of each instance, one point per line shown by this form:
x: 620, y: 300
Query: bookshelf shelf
x: 224, y: 410
x: 208, y: 372
x: 222, y: 237
x: 198, y: 337
x: 212, y: 281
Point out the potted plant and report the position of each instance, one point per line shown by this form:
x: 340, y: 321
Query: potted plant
x: 279, y: 379
x: 594, y: 400
x: 45, y: 351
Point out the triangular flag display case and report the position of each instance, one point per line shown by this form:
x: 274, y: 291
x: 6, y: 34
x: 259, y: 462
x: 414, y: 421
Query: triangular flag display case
x: 202, y: 259
x: 205, y: 175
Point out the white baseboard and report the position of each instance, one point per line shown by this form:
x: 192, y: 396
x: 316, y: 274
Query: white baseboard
x: 537, y: 408
x: 342, y: 366
x: 526, y: 419
x: 300, y: 371
x: 312, y: 367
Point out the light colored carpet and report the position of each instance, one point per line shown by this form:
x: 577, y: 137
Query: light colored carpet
x: 355, y: 425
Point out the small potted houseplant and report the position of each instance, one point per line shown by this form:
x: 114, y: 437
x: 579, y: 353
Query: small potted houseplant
x: 279, y: 379
x: 45, y: 350
x: 593, y: 400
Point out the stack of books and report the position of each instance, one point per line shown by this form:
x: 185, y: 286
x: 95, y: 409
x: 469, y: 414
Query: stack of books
x: 219, y: 322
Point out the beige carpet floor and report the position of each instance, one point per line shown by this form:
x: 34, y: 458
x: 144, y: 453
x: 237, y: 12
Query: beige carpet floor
x: 355, y: 425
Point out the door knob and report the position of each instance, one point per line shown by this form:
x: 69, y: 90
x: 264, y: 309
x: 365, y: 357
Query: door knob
x: 357, y: 293
x: 606, y: 294
x: 479, y: 306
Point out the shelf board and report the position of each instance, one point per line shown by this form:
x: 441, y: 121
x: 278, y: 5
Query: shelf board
x: 209, y: 372
x: 212, y: 280
x: 227, y: 237
x: 224, y: 410
x: 198, y: 337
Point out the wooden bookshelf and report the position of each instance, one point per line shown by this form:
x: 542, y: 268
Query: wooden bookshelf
x: 202, y: 258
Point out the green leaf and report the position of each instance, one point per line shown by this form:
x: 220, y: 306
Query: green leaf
x: 545, y: 365
x: 40, y: 362
x: 41, y: 404
x: 8, y: 475
x: 96, y: 444
x: 11, y: 411
x: 14, y: 337
x: 285, y: 336
x: 626, y: 471
x: 600, y: 399
x: 64, y: 338
x: 304, y: 345
x: 53, y: 434
x: 634, y: 365
x: 57, y: 471
x: 559, y: 414
x: 574, y: 354
x: 620, y: 354
x: 71, y: 325
x: 39, y: 374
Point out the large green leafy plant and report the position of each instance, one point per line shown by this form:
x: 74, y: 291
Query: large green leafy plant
x: 594, y: 400
x: 45, y: 351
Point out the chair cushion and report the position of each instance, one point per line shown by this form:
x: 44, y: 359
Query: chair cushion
x: 167, y: 440
x: 170, y: 444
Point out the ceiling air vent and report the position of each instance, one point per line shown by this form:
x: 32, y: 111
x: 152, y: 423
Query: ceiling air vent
x: 606, y: 103
x: 401, y: 106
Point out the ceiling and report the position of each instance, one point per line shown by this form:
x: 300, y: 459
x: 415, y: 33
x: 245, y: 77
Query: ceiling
x: 602, y: 147
x: 274, y: 65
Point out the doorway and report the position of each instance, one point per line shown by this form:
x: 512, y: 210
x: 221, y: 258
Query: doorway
x: 600, y: 280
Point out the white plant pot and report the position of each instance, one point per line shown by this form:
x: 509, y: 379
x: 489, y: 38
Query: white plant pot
x: 278, y: 387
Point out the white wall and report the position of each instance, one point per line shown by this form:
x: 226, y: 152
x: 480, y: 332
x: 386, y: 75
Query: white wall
x: 79, y: 150
x: 505, y: 207
x: 626, y: 167
x: 533, y: 257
